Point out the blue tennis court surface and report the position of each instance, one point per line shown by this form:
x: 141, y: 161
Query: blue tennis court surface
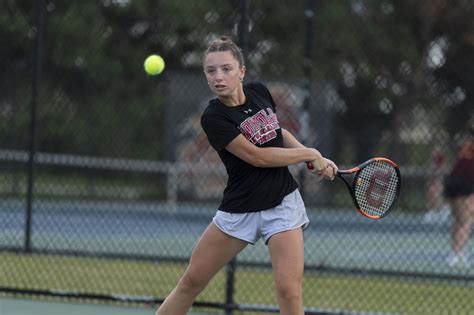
x: 336, y: 238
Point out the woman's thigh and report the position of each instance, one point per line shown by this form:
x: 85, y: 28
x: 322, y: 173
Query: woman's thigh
x: 213, y: 250
x: 287, y: 255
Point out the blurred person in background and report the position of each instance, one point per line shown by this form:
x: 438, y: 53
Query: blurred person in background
x: 438, y: 208
x: 261, y: 199
x: 459, y: 190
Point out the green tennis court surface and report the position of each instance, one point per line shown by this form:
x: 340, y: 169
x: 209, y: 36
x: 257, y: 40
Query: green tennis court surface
x: 31, y: 307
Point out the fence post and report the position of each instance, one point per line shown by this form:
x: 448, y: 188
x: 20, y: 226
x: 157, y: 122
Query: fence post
x: 36, y: 60
x: 230, y: 283
x: 308, y: 81
x: 243, y: 25
x: 232, y: 265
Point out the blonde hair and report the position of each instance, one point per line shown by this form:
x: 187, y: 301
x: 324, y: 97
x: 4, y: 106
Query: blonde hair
x: 225, y: 43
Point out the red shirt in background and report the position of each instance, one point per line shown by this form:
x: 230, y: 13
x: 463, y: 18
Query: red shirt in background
x: 464, y: 166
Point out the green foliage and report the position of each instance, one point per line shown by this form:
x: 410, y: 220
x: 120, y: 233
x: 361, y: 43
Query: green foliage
x: 93, y: 88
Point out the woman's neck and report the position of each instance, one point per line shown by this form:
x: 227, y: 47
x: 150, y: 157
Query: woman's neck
x: 234, y: 100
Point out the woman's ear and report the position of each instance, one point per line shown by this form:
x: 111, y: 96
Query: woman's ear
x: 242, y: 73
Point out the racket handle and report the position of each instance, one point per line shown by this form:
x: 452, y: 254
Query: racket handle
x: 310, y: 167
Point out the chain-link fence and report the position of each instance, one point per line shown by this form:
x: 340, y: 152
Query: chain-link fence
x: 107, y: 179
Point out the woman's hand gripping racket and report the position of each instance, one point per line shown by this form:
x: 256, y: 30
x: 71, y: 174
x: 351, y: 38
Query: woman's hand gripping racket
x: 375, y: 186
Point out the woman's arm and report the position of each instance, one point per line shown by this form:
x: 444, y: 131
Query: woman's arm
x: 277, y: 157
x: 289, y: 141
x: 270, y: 156
x: 326, y: 170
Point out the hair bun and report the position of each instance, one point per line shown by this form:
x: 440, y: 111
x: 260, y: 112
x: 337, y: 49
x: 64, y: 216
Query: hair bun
x: 225, y: 43
x: 224, y: 39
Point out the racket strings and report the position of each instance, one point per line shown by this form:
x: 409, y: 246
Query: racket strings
x: 376, y: 188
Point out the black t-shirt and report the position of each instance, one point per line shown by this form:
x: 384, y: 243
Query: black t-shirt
x: 249, y: 188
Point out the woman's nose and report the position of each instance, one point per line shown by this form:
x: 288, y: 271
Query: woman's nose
x: 218, y: 75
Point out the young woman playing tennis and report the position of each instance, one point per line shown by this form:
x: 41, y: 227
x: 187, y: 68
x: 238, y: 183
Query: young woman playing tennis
x: 261, y: 198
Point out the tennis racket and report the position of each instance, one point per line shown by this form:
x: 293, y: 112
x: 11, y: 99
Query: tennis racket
x: 374, y: 186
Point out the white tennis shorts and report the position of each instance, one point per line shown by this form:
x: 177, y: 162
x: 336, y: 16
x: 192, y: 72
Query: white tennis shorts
x: 289, y: 215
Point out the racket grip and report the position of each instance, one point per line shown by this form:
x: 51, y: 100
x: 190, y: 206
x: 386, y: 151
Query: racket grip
x: 310, y: 166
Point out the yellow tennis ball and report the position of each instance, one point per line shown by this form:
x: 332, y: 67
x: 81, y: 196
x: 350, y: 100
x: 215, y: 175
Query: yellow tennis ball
x: 154, y: 65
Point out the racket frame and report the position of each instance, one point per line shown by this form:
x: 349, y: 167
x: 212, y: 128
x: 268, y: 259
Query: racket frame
x: 351, y: 186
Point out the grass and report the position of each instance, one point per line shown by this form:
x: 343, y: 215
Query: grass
x: 253, y: 286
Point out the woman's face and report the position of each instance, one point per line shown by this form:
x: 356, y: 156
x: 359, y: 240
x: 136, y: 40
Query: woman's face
x: 223, y: 73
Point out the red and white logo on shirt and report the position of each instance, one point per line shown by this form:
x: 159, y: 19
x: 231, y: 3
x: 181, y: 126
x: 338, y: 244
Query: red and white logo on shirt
x: 261, y: 127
